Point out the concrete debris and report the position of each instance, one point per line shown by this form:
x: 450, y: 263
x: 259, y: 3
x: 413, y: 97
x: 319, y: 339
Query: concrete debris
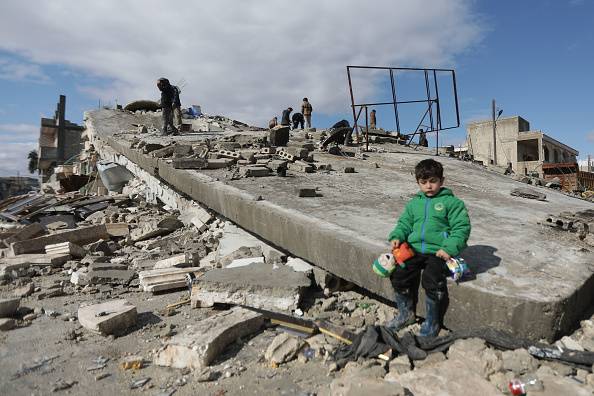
x: 9, y: 306
x: 200, y: 343
x: 66, y: 248
x: 164, y: 279
x: 24, y: 291
x: 27, y: 232
x: 307, y: 192
x: 155, y: 228
x: 112, y: 317
x: 257, y: 285
x: 80, y: 236
x: 301, y: 166
x: 283, y: 348
x: 528, y: 193
x: 101, y: 273
x: 196, y: 216
x: 279, y: 136
x: 37, y: 259
x: 180, y: 261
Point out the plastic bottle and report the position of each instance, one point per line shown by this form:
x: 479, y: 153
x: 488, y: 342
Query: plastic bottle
x: 520, y: 386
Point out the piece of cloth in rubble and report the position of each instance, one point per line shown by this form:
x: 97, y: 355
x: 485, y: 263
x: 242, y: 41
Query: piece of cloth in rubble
x: 376, y: 340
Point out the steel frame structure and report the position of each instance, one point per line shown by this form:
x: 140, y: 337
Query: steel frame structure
x: 431, y: 99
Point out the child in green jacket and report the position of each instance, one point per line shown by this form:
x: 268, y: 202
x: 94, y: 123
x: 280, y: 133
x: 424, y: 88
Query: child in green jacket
x: 436, y: 225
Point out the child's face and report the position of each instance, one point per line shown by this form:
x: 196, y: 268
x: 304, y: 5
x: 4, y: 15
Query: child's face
x: 430, y: 186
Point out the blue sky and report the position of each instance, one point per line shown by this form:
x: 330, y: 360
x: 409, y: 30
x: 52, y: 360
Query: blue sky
x: 534, y: 57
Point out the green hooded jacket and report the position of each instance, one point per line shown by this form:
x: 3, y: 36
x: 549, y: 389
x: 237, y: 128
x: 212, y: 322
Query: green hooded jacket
x: 432, y: 223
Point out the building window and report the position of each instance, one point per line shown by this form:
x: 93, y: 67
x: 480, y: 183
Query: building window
x: 528, y: 150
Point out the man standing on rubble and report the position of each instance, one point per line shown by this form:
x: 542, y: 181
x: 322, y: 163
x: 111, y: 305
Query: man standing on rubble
x: 286, y: 117
x: 306, y: 110
x: 177, y: 113
x: 297, y: 120
x: 167, y: 101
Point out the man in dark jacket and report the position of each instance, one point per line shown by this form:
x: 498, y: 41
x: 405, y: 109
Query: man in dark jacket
x: 286, y: 117
x: 167, y: 102
x: 297, y: 120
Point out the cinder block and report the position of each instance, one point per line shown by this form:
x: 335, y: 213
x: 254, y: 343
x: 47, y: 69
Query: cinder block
x: 112, y: 317
x: 301, y: 166
x: 256, y: 171
x: 279, y: 136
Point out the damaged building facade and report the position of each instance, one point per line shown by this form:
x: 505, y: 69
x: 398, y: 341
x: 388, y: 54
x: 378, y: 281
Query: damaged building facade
x: 527, y: 150
x: 59, y: 141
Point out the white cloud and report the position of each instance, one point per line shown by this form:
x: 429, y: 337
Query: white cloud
x: 18, y: 133
x: 21, y: 71
x: 16, y: 140
x: 245, y: 59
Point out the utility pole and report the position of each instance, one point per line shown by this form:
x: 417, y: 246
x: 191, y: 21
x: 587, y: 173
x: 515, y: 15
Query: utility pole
x: 589, y: 164
x: 494, y: 134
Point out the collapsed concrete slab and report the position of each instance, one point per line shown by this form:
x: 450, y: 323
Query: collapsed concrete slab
x: 80, y: 236
x: 27, y: 232
x: 8, y: 306
x: 527, y: 281
x: 112, y: 317
x: 199, y: 344
x: 257, y: 285
x: 37, y: 259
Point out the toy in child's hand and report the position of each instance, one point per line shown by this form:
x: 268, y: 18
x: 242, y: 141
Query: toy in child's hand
x: 458, y: 268
x: 402, y: 253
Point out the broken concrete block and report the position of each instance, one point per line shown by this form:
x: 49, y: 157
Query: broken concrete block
x: 163, y: 152
x: 229, y: 154
x: 183, y: 150
x: 255, y: 171
x: 286, y: 156
x: 244, y: 262
x: 277, y: 165
x: 80, y: 236
x: 324, y: 167
x: 283, y: 349
x: 117, y: 229
x: 9, y: 306
x: 300, y: 265
x: 99, y: 273
x: 199, y: 344
x: 349, y: 169
x: 257, y: 285
x: 241, y: 253
x: 180, y: 261
x: 69, y: 248
x: 40, y: 260
x: 234, y: 238
x: 197, y: 216
x: 112, y: 317
x: 249, y: 155
x: 267, y: 150
x: 307, y: 192
x: 279, y: 136
x: 27, y: 232
x: 189, y: 163
x: 24, y: 291
x: 164, y: 279
x: 301, y: 166
x: 155, y: 228
x: 7, y: 324
x: 219, y: 163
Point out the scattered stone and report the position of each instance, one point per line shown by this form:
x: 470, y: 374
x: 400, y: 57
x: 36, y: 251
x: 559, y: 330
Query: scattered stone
x: 24, y: 291
x: 62, y: 385
x: 164, y: 279
x: 80, y: 236
x: 430, y: 360
x: 399, y: 366
x: 69, y: 248
x: 279, y: 136
x: 450, y: 377
x: 349, y: 169
x: 569, y: 343
x: 180, y: 261
x: 30, y: 317
x: 519, y: 361
x: 139, y: 383
x: 201, y: 342
x: 7, y: 324
x: 112, y: 317
x: 101, y: 376
x: 9, y: 306
x: 283, y: 348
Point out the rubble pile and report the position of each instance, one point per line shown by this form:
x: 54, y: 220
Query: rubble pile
x: 123, y: 290
x: 107, y: 265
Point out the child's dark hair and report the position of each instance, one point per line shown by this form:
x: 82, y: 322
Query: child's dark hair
x: 427, y: 169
